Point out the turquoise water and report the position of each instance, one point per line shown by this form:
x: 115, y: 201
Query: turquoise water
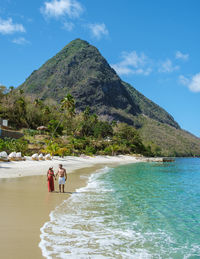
x: 144, y: 210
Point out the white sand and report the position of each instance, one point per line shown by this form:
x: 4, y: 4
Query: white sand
x: 26, y: 203
x: 71, y: 163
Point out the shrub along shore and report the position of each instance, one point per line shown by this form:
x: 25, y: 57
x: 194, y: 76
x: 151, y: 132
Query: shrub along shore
x: 58, y: 129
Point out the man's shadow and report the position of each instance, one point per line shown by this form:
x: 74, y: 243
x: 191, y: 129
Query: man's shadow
x: 64, y: 192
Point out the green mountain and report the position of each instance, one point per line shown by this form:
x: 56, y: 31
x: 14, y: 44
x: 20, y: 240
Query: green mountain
x: 81, y: 70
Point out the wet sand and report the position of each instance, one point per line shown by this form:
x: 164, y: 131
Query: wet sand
x: 25, y: 207
x: 26, y: 204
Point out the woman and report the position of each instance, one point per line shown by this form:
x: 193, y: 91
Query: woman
x: 50, y: 176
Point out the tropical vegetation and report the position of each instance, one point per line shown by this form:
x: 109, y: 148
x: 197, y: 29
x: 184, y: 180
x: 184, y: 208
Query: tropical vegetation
x: 66, y: 132
x: 83, y: 105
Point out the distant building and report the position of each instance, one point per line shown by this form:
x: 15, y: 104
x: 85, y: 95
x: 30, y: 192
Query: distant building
x: 6, y: 132
x: 3, y: 122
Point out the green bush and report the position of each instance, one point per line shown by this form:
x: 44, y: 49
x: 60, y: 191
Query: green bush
x: 89, y: 150
x: 55, y: 127
x: 63, y: 152
x: 108, y: 151
x: 2, y: 145
x: 14, y: 145
x: 30, y: 132
x: 102, y: 129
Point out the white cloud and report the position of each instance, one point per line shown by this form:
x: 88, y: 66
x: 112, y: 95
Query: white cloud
x: 21, y: 41
x: 8, y: 27
x: 192, y: 83
x: 58, y: 8
x: 179, y: 55
x: 184, y: 80
x: 98, y: 30
x: 69, y: 26
x: 121, y: 70
x: 133, y: 63
x: 167, y: 67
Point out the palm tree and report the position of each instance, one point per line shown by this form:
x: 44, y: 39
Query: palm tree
x: 11, y: 89
x: 21, y: 91
x: 21, y: 106
x: 86, y: 113
x: 38, y: 102
x: 3, y: 90
x: 46, y: 110
x: 68, y: 103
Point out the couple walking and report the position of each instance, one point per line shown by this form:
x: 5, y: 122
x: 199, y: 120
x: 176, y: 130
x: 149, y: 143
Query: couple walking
x: 61, y: 180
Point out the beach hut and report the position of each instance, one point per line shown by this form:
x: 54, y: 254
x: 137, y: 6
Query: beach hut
x: 42, y: 128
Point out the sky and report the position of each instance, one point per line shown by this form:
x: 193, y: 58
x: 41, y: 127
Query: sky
x: 153, y: 45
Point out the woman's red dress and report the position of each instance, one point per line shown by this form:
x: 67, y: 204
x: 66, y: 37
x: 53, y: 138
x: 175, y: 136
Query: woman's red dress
x: 50, y: 181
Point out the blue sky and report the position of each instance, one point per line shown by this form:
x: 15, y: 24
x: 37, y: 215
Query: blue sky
x: 153, y: 45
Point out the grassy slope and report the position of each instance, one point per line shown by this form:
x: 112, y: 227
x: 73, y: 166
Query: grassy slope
x: 172, y: 141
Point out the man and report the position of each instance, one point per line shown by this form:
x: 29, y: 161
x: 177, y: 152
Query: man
x: 62, y: 178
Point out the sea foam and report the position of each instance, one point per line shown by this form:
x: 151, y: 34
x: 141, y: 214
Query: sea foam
x: 93, y: 222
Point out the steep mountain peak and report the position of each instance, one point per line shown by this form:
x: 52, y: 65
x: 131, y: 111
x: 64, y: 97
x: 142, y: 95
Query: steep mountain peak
x: 81, y: 70
x: 75, y: 46
x: 77, y: 42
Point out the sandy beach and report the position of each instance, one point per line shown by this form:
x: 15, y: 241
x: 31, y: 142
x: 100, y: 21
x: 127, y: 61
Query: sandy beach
x: 26, y: 204
x: 30, y: 167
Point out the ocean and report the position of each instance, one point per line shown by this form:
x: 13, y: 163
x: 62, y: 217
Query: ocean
x: 142, y: 210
